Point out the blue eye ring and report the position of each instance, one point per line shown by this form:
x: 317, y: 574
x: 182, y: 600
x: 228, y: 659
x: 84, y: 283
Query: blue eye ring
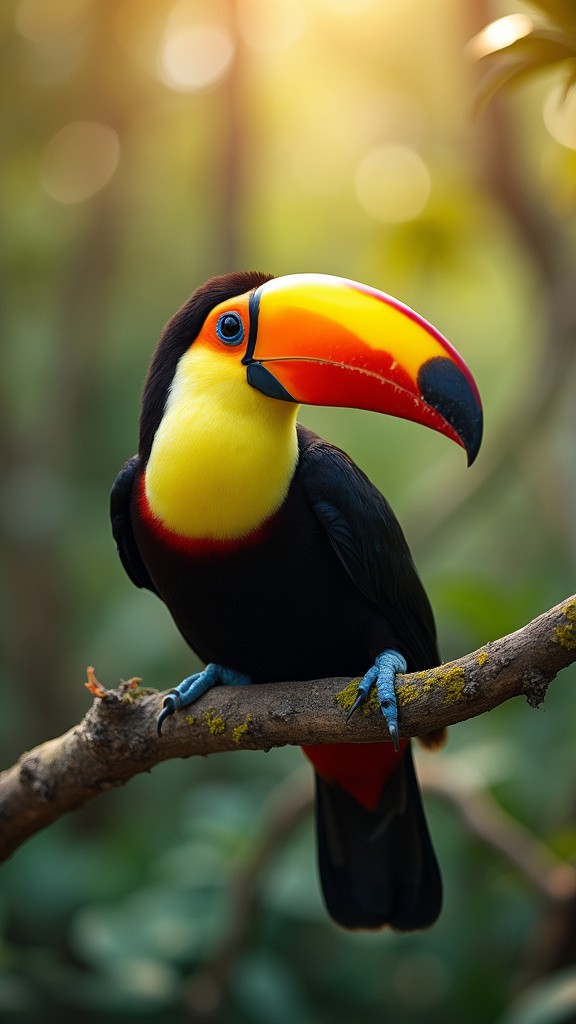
x: 230, y: 328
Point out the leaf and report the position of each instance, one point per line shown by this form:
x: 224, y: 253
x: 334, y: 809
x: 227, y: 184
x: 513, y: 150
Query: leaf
x: 539, y: 44
x: 539, y: 48
x: 501, y: 75
x: 560, y: 11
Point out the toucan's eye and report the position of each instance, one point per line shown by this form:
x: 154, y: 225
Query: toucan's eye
x: 230, y: 328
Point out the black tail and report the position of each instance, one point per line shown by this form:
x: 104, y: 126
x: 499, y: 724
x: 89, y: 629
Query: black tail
x: 378, y: 867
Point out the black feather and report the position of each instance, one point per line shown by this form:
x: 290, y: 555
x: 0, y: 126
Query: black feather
x: 120, y: 502
x: 369, y: 542
x: 378, y: 866
x: 180, y: 332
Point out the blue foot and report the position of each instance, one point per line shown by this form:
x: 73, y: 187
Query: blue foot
x: 191, y: 688
x: 383, y: 673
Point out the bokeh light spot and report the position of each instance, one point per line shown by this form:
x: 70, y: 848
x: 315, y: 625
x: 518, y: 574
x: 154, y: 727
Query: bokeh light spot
x: 363, y: 7
x: 393, y: 183
x: 559, y: 113
x: 499, y: 34
x: 195, y: 57
x: 79, y: 160
x: 268, y: 27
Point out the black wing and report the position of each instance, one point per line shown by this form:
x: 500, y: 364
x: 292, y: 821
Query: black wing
x: 369, y: 542
x: 120, y: 500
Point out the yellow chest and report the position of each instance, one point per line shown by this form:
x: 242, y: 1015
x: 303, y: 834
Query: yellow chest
x: 223, y: 456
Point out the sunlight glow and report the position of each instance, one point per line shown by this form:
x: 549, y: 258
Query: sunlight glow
x: 320, y: 170
x: 393, y: 183
x: 362, y: 7
x: 499, y: 34
x: 268, y: 27
x: 79, y: 160
x: 195, y: 57
x: 559, y: 113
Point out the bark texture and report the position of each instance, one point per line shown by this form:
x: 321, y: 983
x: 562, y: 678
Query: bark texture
x: 117, y: 737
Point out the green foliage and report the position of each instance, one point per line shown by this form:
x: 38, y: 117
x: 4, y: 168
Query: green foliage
x: 537, y: 48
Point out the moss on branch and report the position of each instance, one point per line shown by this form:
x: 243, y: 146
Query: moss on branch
x: 117, y: 737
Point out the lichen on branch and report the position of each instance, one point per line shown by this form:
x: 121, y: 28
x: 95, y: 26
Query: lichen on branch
x: 117, y: 738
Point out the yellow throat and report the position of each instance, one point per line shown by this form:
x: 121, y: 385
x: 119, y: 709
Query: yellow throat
x: 224, y: 454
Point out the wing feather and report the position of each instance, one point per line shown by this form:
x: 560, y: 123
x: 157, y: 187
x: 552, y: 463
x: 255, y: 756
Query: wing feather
x: 120, y: 502
x: 370, y: 544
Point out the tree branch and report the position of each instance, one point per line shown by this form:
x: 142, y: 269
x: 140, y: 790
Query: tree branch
x: 117, y: 737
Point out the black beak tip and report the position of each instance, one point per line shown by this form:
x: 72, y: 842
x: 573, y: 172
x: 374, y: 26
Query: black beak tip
x: 470, y: 428
x: 445, y: 387
x: 473, y: 446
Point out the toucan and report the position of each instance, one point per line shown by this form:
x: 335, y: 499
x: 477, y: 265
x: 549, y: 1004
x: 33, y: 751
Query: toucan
x: 276, y: 556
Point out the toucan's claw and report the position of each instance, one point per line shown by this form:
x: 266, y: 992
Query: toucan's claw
x: 383, y: 673
x: 357, y: 704
x: 360, y: 700
x: 393, y: 730
x: 364, y: 687
x: 194, y: 686
x: 171, y: 703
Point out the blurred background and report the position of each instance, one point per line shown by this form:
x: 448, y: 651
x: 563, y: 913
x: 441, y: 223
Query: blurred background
x: 146, y: 145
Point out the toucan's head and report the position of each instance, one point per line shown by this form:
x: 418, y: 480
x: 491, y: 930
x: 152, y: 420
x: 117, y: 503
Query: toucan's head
x: 319, y: 340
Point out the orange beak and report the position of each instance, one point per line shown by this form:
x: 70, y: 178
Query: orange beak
x: 324, y: 340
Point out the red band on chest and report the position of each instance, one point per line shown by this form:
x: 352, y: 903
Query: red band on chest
x: 195, y: 546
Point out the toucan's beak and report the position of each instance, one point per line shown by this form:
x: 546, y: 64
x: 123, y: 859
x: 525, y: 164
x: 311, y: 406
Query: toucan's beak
x: 324, y: 340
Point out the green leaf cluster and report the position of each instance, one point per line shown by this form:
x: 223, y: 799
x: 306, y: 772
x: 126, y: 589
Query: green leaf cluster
x: 551, y: 44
